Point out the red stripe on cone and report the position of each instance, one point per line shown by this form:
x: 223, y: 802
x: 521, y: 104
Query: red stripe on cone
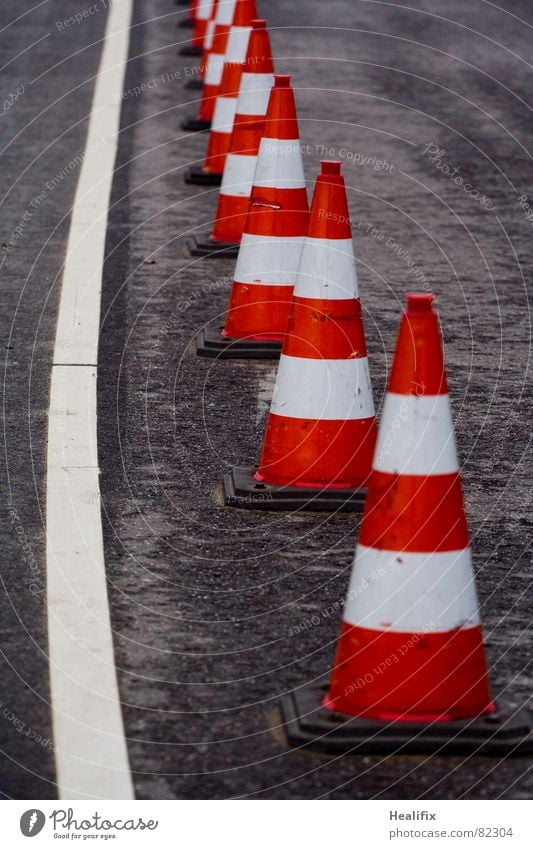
x: 414, y: 677
x: 277, y: 212
x: 231, y: 211
x: 432, y: 502
x: 318, y: 454
x: 334, y: 329
x: 246, y: 133
x: 253, y: 315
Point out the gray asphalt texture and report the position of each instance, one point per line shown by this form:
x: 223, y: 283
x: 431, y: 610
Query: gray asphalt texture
x: 46, y: 85
x: 217, y: 612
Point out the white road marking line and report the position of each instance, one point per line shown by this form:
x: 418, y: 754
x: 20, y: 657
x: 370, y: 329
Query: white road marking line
x: 90, y: 747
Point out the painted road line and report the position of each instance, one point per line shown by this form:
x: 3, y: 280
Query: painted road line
x: 90, y: 747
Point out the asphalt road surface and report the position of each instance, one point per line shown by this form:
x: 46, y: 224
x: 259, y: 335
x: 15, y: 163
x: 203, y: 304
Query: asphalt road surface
x: 217, y: 613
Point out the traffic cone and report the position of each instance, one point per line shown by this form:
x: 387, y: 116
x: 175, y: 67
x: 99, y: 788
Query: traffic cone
x: 200, y: 15
x: 233, y: 22
x: 256, y: 81
x: 210, y: 174
x: 410, y: 672
x: 272, y: 241
x: 320, y: 433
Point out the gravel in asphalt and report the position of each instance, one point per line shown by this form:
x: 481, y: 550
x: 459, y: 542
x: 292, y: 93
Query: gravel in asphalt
x: 218, y: 612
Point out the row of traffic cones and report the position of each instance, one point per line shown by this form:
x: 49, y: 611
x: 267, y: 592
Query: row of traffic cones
x: 320, y: 433
x: 239, y: 159
x: 225, y: 39
x: 197, y: 20
x: 270, y: 249
x: 410, y: 672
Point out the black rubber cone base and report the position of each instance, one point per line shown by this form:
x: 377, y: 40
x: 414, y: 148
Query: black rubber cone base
x: 195, y: 83
x: 209, y: 343
x: 199, y: 177
x: 190, y: 50
x: 204, y: 246
x: 196, y: 125
x: 309, y: 724
x: 242, y: 490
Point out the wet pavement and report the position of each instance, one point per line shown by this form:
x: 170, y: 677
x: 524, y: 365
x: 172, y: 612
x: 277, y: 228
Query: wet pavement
x: 218, y: 612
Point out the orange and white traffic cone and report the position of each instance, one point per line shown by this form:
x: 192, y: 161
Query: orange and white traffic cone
x: 233, y: 23
x: 200, y: 16
x: 410, y: 672
x: 256, y: 82
x: 272, y: 242
x: 321, y: 430
x: 210, y: 174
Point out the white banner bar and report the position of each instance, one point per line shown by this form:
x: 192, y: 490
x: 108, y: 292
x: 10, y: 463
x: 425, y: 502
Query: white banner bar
x: 243, y: 824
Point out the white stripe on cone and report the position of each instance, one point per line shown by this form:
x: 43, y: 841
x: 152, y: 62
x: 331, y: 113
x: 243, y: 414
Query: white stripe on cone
x: 412, y: 592
x: 254, y: 93
x: 268, y: 260
x: 209, y: 33
x: 323, y: 389
x: 416, y: 436
x: 214, y: 69
x: 327, y: 270
x: 224, y: 115
x: 225, y: 12
x: 279, y: 165
x: 204, y: 8
x: 238, y: 175
x: 237, y: 44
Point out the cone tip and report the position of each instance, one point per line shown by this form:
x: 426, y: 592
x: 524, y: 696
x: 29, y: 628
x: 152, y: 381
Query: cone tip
x: 420, y: 302
x: 282, y: 80
x: 330, y: 166
x: 259, y: 23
